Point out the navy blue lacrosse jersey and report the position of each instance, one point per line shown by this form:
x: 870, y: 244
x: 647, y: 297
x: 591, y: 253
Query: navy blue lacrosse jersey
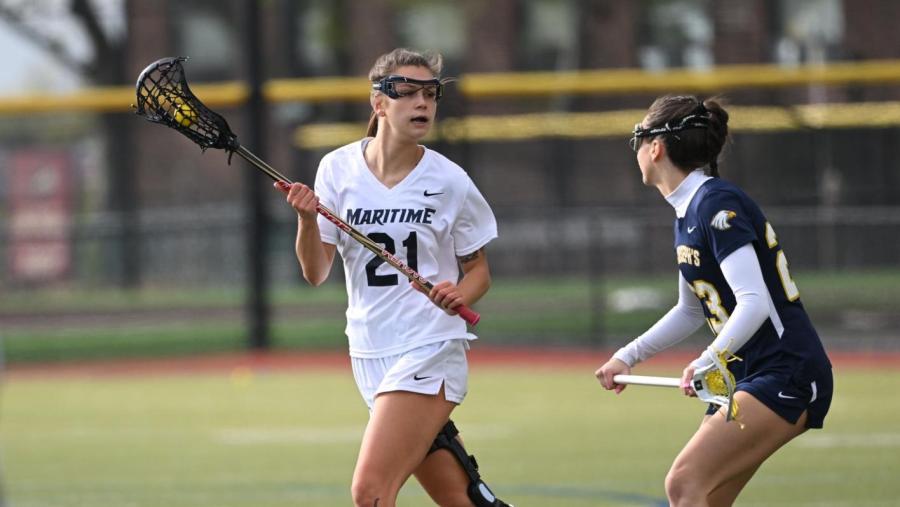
x: 720, y: 219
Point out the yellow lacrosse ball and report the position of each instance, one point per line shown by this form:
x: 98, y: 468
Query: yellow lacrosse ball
x: 184, y: 115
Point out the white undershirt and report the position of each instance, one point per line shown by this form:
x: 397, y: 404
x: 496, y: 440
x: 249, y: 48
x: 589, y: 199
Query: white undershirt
x: 742, y: 272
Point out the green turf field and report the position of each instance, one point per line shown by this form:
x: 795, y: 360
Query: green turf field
x: 544, y: 437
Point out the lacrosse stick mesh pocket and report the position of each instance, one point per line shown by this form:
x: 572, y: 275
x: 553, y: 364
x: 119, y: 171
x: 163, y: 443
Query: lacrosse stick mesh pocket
x: 721, y: 382
x: 163, y: 96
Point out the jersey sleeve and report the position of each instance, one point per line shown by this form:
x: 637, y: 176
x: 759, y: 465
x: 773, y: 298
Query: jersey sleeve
x: 744, y: 276
x: 324, y: 189
x: 683, y: 319
x: 725, y: 223
x: 475, y: 224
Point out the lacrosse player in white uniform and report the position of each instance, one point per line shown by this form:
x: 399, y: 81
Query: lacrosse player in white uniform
x: 408, y: 349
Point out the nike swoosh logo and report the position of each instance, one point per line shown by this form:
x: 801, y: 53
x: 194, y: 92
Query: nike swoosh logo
x: 691, y: 229
x: 785, y: 396
x: 416, y: 377
x: 429, y: 194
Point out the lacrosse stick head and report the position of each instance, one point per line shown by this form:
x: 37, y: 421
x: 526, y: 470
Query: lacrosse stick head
x: 715, y: 383
x: 163, y: 96
x: 710, y: 385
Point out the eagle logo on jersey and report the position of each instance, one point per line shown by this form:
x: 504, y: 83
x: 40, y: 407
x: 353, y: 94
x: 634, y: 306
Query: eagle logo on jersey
x: 720, y: 221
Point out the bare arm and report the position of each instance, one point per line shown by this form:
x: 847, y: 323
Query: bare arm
x: 315, y: 256
x: 476, y: 276
x: 475, y: 283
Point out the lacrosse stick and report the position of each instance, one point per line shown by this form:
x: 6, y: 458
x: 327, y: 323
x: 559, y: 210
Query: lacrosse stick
x: 713, y: 384
x: 163, y: 96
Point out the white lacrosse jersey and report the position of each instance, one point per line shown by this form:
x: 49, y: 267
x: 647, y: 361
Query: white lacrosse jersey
x: 433, y: 216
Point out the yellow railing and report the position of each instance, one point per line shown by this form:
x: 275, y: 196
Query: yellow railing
x: 520, y: 127
x: 113, y: 99
x: 539, y: 84
x: 717, y: 79
x: 492, y: 85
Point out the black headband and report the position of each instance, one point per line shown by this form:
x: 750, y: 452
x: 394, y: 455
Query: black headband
x: 697, y: 119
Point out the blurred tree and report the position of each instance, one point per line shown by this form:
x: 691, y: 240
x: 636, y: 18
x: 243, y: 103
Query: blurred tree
x: 47, y: 24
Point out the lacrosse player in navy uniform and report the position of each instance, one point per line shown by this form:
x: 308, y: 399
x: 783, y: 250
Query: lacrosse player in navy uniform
x: 733, y: 274
x: 408, y: 350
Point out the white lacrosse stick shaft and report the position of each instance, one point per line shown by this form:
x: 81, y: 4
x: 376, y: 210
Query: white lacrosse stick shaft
x: 644, y: 380
x: 698, y: 384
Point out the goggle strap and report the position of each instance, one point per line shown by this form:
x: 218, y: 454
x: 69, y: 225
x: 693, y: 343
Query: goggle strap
x: 386, y: 85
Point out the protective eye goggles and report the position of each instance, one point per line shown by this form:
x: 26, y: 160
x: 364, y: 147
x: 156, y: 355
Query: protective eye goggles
x: 691, y: 121
x: 396, y: 87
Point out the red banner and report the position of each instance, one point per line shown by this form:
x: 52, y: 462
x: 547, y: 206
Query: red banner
x: 40, y: 215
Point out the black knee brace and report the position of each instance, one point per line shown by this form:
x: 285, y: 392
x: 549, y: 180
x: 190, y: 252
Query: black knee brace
x: 479, y: 492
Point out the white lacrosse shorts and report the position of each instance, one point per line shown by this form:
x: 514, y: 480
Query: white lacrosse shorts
x: 420, y: 370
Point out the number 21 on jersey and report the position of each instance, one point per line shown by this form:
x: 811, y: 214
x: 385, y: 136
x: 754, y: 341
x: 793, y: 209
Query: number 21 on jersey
x: 412, y: 259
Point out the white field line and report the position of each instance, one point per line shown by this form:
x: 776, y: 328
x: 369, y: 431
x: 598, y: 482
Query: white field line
x: 255, y: 436
x: 826, y: 440
x: 328, y: 435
